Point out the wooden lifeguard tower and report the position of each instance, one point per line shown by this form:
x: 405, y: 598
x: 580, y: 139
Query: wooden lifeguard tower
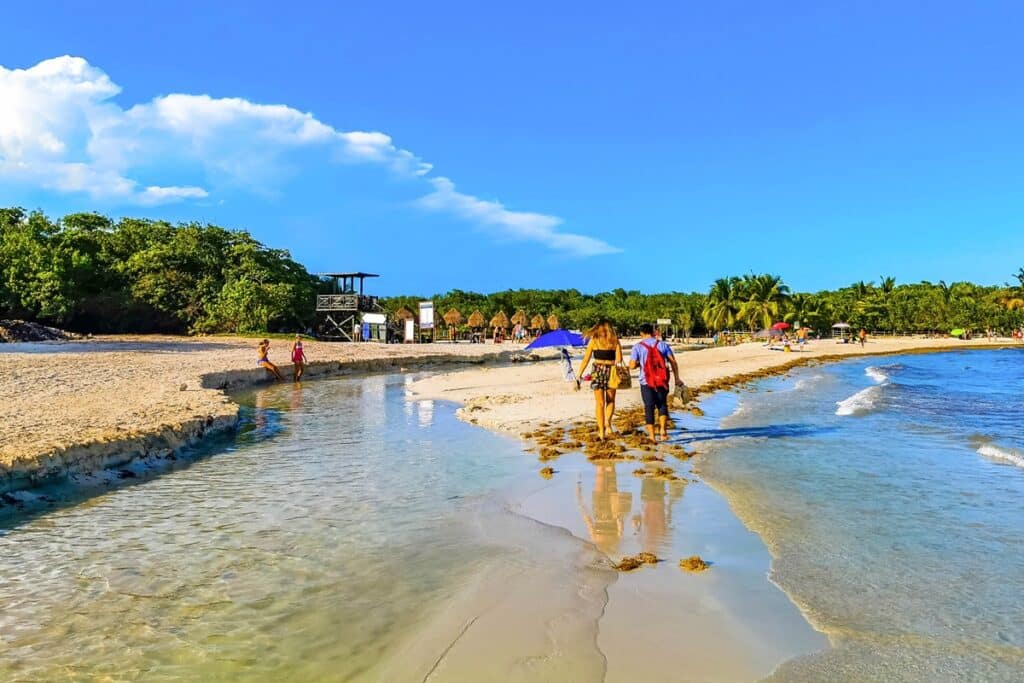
x: 343, y: 312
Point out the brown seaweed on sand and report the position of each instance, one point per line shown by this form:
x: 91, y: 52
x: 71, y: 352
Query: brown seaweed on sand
x: 693, y: 564
x: 548, y: 453
x: 547, y: 472
x: 631, y: 562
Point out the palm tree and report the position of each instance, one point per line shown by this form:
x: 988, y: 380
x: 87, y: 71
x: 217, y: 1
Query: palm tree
x: 803, y: 309
x: 766, y: 296
x: 722, y: 304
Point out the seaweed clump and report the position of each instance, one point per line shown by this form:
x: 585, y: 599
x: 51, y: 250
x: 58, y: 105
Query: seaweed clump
x: 547, y: 472
x: 694, y: 563
x: 631, y: 562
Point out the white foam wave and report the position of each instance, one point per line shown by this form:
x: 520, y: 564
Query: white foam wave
x: 805, y: 382
x: 877, y: 374
x: 1010, y: 455
x: 861, y: 402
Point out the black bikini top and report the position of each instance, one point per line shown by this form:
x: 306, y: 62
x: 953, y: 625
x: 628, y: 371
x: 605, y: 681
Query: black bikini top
x: 604, y: 354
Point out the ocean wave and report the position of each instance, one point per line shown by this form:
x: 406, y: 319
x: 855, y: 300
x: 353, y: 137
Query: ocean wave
x: 877, y: 374
x: 862, y: 402
x: 805, y: 382
x: 1010, y: 455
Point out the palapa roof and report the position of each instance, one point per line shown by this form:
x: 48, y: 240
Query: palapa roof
x: 404, y: 313
x: 520, y: 317
x: 553, y: 321
x: 500, y: 320
x: 538, y: 322
x: 453, y: 317
x: 477, y: 319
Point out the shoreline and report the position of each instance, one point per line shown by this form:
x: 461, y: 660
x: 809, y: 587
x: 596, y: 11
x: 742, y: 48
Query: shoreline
x: 82, y: 407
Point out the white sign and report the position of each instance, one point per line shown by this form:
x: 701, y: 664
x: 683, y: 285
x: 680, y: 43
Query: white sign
x: 426, y: 315
x: 374, y: 318
x: 664, y: 321
x: 410, y: 331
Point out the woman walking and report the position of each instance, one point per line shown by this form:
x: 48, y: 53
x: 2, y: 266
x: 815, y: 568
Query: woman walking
x: 605, y: 351
x: 298, y: 358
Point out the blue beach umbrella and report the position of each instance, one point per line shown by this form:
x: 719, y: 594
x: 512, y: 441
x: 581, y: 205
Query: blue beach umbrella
x: 557, y: 338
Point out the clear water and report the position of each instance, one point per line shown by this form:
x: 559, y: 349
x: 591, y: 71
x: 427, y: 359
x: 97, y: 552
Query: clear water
x: 336, y: 524
x: 891, y: 494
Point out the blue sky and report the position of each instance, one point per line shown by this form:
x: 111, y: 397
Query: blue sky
x: 443, y: 145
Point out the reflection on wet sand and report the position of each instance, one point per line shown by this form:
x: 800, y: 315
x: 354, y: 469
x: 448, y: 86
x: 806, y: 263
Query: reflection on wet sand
x: 610, y: 507
x: 654, y: 522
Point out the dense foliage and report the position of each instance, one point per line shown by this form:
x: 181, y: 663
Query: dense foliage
x: 754, y: 302
x: 88, y: 273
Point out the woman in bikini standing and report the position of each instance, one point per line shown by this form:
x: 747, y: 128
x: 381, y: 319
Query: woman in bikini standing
x: 298, y: 358
x: 605, y: 351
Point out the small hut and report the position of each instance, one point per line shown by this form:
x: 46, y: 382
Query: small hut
x: 453, y: 319
x: 537, y: 324
x: 553, y: 322
x: 476, y: 322
x: 403, y: 314
x: 499, y: 324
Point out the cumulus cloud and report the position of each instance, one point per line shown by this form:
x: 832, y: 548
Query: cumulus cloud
x: 61, y: 130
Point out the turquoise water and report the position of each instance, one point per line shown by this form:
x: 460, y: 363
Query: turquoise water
x: 311, y: 547
x: 891, y: 494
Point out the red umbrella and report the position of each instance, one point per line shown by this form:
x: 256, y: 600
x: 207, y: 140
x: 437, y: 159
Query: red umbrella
x: 780, y: 326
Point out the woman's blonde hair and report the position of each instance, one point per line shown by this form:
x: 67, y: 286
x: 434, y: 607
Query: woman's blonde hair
x: 603, y: 331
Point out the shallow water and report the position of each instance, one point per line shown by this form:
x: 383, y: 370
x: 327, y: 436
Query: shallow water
x: 891, y: 492
x: 339, y: 521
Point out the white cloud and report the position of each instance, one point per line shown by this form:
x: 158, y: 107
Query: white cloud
x: 522, y: 225
x: 61, y: 130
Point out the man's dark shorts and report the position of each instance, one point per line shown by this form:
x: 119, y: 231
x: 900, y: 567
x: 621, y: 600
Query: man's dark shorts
x: 654, y: 399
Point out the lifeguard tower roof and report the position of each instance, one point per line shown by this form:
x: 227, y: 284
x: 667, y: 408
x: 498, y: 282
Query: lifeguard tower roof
x: 341, y: 275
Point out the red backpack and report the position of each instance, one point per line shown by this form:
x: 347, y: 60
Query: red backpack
x: 655, y: 372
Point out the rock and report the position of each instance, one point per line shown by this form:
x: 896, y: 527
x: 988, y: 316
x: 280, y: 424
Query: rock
x: 13, y: 331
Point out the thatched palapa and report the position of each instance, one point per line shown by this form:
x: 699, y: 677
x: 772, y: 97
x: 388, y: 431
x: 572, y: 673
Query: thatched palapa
x: 553, y: 321
x: 477, y: 319
x: 537, y: 323
x: 500, y: 320
x: 453, y: 317
x: 404, y: 313
x: 519, y: 318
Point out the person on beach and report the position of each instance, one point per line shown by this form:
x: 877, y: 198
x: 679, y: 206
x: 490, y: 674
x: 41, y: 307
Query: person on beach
x: 605, y: 351
x: 298, y: 359
x: 863, y: 336
x: 651, y: 356
x: 264, y: 362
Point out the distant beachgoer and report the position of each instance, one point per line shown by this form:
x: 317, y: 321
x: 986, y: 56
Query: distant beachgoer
x: 264, y: 362
x: 654, y: 378
x: 298, y: 358
x: 605, y: 351
x: 863, y: 336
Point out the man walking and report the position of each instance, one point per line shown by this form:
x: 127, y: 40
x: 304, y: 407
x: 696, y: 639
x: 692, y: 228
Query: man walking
x: 650, y: 355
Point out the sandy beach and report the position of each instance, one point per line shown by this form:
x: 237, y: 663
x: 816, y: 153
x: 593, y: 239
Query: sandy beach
x: 87, y: 405
x: 521, y: 398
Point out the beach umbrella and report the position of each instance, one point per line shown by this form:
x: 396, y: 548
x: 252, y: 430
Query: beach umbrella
x: 553, y: 321
x: 557, y: 338
x: 780, y: 326
x: 956, y: 332
x: 841, y: 326
x: 453, y: 317
x: 764, y: 334
x: 476, y: 319
x: 537, y: 323
x: 520, y: 318
x: 500, y: 320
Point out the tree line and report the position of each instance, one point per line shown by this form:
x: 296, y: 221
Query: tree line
x: 88, y: 273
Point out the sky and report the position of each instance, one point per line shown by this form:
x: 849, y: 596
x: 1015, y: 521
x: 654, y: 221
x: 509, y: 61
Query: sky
x: 650, y: 146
